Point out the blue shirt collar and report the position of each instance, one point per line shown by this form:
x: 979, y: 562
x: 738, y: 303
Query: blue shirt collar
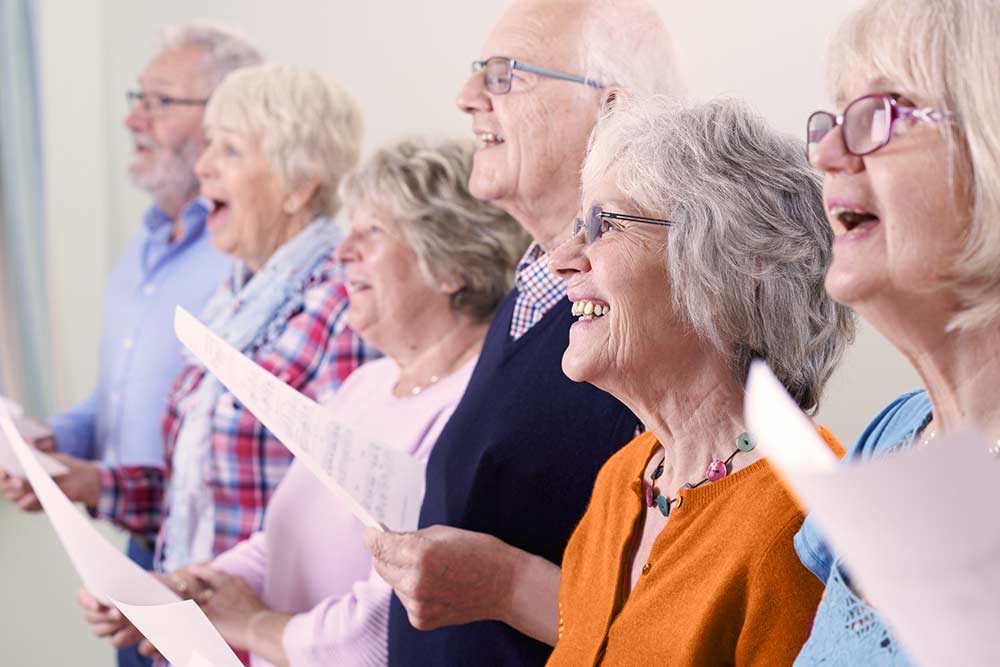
x: 159, y: 224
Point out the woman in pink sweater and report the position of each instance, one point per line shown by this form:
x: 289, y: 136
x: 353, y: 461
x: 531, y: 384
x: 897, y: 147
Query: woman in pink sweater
x: 425, y: 266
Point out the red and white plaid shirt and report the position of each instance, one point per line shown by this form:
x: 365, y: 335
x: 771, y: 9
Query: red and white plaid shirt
x: 313, y: 351
x: 538, y: 290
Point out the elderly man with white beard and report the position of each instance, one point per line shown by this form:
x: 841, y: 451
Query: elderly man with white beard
x: 169, y: 262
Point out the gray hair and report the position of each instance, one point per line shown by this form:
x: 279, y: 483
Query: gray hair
x: 946, y: 52
x: 750, y: 246
x: 225, y: 49
x: 421, y: 186
x: 626, y: 44
x: 309, y: 127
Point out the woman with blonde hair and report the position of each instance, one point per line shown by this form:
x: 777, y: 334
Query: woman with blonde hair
x: 912, y: 192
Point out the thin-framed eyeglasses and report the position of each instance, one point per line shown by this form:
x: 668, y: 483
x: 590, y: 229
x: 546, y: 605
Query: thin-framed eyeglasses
x: 598, y: 221
x: 498, y: 74
x: 866, y: 124
x: 153, y: 103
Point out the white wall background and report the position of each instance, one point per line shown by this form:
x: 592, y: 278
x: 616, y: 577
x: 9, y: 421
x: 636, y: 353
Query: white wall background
x: 403, y: 61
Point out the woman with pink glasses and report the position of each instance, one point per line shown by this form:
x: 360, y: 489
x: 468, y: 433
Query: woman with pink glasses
x: 912, y: 191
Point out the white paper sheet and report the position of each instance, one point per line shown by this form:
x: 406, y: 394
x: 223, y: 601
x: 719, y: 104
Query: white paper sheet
x: 198, y: 660
x: 383, y: 487
x: 107, y: 573
x: 917, y: 530
x: 29, y: 431
x: 180, y: 627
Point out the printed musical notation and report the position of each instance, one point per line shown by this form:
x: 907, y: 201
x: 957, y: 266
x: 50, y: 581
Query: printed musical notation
x: 383, y: 487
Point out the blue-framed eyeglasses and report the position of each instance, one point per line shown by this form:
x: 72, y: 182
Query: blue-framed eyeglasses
x: 498, y: 72
x: 598, y: 222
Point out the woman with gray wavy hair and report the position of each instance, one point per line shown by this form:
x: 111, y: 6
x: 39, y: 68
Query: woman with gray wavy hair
x: 701, y: 246
x: 425, y: 266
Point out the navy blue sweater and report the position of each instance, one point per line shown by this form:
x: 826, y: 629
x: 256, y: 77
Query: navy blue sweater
x: 517, y: 460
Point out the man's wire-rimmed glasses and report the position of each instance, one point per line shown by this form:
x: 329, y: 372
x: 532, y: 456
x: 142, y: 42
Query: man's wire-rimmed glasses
x: 498, y: 73
x: 153, y: 103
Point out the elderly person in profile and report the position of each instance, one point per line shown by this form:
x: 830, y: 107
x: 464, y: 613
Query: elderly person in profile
x: 426, y: 264
x: 701, y: 246
x: 912, y: 190
x: 279, y: 139
x: 169, y: 262
x: 518, y: 457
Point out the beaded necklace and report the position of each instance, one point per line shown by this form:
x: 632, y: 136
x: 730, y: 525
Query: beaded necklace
x: 716, y: 470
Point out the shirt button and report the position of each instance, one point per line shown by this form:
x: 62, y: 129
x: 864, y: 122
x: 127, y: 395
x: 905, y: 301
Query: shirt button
x: 128, y: 343
x: 646, y: 568
x: 148, y: 290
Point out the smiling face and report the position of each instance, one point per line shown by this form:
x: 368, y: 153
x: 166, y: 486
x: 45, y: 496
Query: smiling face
x: 390, y: 298
x: 248, y: 220
x: 898, y: 214
x: 167, y: 142
x: 532, y: 140
x: 620, y: 290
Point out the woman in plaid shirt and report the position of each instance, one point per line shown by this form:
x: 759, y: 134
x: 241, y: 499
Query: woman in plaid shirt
x: 279, y: 139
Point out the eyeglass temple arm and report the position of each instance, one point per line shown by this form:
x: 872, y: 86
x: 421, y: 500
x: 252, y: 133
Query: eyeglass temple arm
x: 515, y: 64
x: 637, y: 218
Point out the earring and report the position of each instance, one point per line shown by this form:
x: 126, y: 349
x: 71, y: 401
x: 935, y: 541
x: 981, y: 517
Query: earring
x: 291, y: 206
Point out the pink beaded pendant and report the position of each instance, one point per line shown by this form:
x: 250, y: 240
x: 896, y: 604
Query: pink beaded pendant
x: 716, y: 470
x: 649, y: 496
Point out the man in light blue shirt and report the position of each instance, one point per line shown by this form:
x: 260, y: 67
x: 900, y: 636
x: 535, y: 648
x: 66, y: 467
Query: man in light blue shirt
x: 169, y: 262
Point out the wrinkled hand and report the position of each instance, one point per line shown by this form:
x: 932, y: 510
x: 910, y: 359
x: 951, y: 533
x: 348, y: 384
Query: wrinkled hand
x: 107, y: 622
x: 18, y: 491
x: 229, y: 603
x: 82, y: 483
x: 445, y: 576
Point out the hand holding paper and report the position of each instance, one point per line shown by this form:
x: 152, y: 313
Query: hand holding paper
x: 917, y: 529
x: 381, y: 486
x: 178, y: 632
x: 28, y: 430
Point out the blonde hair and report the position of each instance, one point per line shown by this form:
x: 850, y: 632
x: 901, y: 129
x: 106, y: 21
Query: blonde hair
x: 946, y: 52
x: 421, y: 187
x: 309, y: 127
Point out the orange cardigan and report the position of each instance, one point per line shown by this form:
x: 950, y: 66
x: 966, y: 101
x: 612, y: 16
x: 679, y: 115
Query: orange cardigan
x: 723, y: 585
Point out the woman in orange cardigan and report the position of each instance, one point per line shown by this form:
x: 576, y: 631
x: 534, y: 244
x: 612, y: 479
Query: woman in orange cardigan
x: 702, y: 245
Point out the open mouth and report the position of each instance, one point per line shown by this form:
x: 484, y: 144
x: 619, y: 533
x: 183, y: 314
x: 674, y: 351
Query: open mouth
x: 590, y: 310
x: 852, y: 219
x: 220, y: 208
x: 488, y: 139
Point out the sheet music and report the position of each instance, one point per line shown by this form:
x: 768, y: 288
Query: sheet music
x: 30, y: 431
x: 185, y: 635
x: 381, y: 486
x: 917, y: 530
x: 108, y: 574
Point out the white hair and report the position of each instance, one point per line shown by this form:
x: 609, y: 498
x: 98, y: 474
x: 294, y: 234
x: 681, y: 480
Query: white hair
x: 421, y: 187
x: 309, y: 127
x: 225, y: 49
x: 750, y: 246
x: 625, y: 44
x: 947, y: 52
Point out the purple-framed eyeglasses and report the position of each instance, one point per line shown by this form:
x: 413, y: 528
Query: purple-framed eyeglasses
x: 866, y: 124
x: 499, y: 74
x: 598, y: 222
